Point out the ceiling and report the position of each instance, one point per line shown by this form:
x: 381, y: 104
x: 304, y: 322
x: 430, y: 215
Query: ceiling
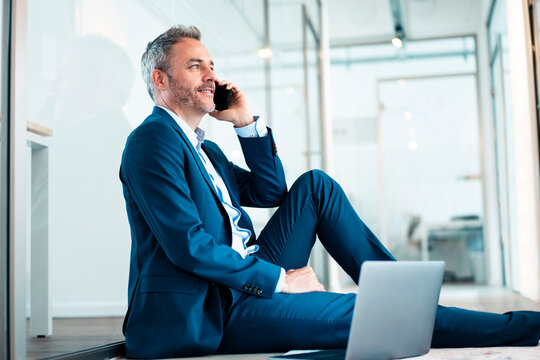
x: 367, y: 21
x: 350, y: 22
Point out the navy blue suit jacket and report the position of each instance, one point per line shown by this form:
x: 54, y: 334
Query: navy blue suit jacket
x: 181, y: 255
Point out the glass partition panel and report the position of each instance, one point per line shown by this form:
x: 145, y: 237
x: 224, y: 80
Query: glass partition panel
x: 503, y: 126
x: 504, y: 151
x: 358, y: 85
x: 288, y: 81
x: 313, y: 98
x: 84, y: 87
x: 429, y: 162
x: 294, y: 34
x: 82, y: 61
x: 4, y: 98
x: 355, y: 112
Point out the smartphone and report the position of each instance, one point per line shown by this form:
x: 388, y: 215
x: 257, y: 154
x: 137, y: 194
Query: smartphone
x: 222, y: 96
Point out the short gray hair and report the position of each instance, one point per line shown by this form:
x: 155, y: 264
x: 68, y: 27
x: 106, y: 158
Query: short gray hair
x: 158, y: 51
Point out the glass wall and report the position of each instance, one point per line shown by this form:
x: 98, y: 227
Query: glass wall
x: 295, y: 95
x: 4, y: 34
x: 430, y: 172
x: 84, y: 88
x: 295, y: 81
x: 407, y: 148
x: 503, y: 125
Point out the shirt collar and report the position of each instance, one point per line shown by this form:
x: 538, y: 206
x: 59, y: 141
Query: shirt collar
x: 196, y: 138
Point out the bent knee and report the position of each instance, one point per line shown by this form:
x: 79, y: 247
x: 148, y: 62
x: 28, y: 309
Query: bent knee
x: 315, y: 174
x: 312, y: 178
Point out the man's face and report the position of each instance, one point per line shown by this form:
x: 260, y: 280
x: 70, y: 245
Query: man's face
x: 191, y: 78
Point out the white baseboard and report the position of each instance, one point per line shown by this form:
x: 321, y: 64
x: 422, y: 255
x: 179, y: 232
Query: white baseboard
x: 67, y: 310
x: 78, y: 310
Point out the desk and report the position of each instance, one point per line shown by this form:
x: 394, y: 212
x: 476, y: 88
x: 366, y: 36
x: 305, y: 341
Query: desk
x: 460, y: 244
x: 38, y: 140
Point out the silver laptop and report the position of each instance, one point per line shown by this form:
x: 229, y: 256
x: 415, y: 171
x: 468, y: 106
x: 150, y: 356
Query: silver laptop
x: 394, y: 312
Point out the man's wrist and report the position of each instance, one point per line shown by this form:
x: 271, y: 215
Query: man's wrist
x: 245, y: 120
x: 254, y: 130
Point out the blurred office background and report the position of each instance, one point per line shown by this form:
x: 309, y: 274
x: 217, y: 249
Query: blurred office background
x: 421, y: 109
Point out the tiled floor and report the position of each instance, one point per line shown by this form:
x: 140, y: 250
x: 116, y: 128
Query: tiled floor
x: 77, y: 334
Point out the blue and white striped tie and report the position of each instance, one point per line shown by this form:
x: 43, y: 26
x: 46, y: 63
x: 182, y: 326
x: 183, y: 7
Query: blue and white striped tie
x: 242, y: 235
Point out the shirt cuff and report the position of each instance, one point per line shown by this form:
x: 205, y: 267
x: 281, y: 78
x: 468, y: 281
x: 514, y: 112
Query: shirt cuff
x: 255, y: 129
x: 281, y: 280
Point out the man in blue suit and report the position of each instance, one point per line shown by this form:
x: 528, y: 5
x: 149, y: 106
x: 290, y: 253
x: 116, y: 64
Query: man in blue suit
x: 200, y: 281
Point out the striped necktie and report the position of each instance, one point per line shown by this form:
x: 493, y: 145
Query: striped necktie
x: 240, y: 236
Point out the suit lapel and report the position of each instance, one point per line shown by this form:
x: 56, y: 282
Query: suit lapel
x: 193, y: 152
x: 222, y: 171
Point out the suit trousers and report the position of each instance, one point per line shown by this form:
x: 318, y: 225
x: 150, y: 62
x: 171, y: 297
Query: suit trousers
x: 316, y: 205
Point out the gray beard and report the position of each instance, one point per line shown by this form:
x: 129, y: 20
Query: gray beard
x: 189, y: 97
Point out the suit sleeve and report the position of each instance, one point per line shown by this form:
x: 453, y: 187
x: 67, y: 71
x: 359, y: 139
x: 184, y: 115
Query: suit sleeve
x: 264, y: 185
x: 153, y: 171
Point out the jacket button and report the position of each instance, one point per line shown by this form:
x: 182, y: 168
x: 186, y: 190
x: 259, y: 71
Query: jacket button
x: 259, y: 292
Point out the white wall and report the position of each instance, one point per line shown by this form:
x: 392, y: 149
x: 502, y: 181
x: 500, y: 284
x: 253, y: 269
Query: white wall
x: 526, y: 150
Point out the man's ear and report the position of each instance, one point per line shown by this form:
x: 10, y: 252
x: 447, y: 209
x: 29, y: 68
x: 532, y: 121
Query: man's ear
x: 160, y: 79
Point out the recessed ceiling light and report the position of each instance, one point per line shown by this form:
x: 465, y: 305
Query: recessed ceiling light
x: 397, y: 42
x: 265, y: 52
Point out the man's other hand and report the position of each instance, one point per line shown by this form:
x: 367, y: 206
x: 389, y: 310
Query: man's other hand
x: 301, y: 281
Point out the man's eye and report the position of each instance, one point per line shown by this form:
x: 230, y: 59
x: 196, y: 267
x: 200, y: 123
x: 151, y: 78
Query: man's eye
x: 194, y: 66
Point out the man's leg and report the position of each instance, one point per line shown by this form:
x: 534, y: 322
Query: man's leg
x: 315, y: 320
x: 316, y: 204
x: 455, y: 327
x: 322, y: 320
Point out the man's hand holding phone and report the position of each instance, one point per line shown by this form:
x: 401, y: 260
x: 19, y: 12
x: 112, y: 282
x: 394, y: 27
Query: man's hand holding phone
x: 237, y: 111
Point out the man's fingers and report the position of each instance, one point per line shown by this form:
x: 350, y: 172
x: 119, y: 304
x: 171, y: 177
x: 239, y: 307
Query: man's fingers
x: 229, y: 85
x: 302, y: 280
x: 302, y: 269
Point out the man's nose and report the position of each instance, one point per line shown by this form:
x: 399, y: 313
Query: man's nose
x: 209, y: 75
